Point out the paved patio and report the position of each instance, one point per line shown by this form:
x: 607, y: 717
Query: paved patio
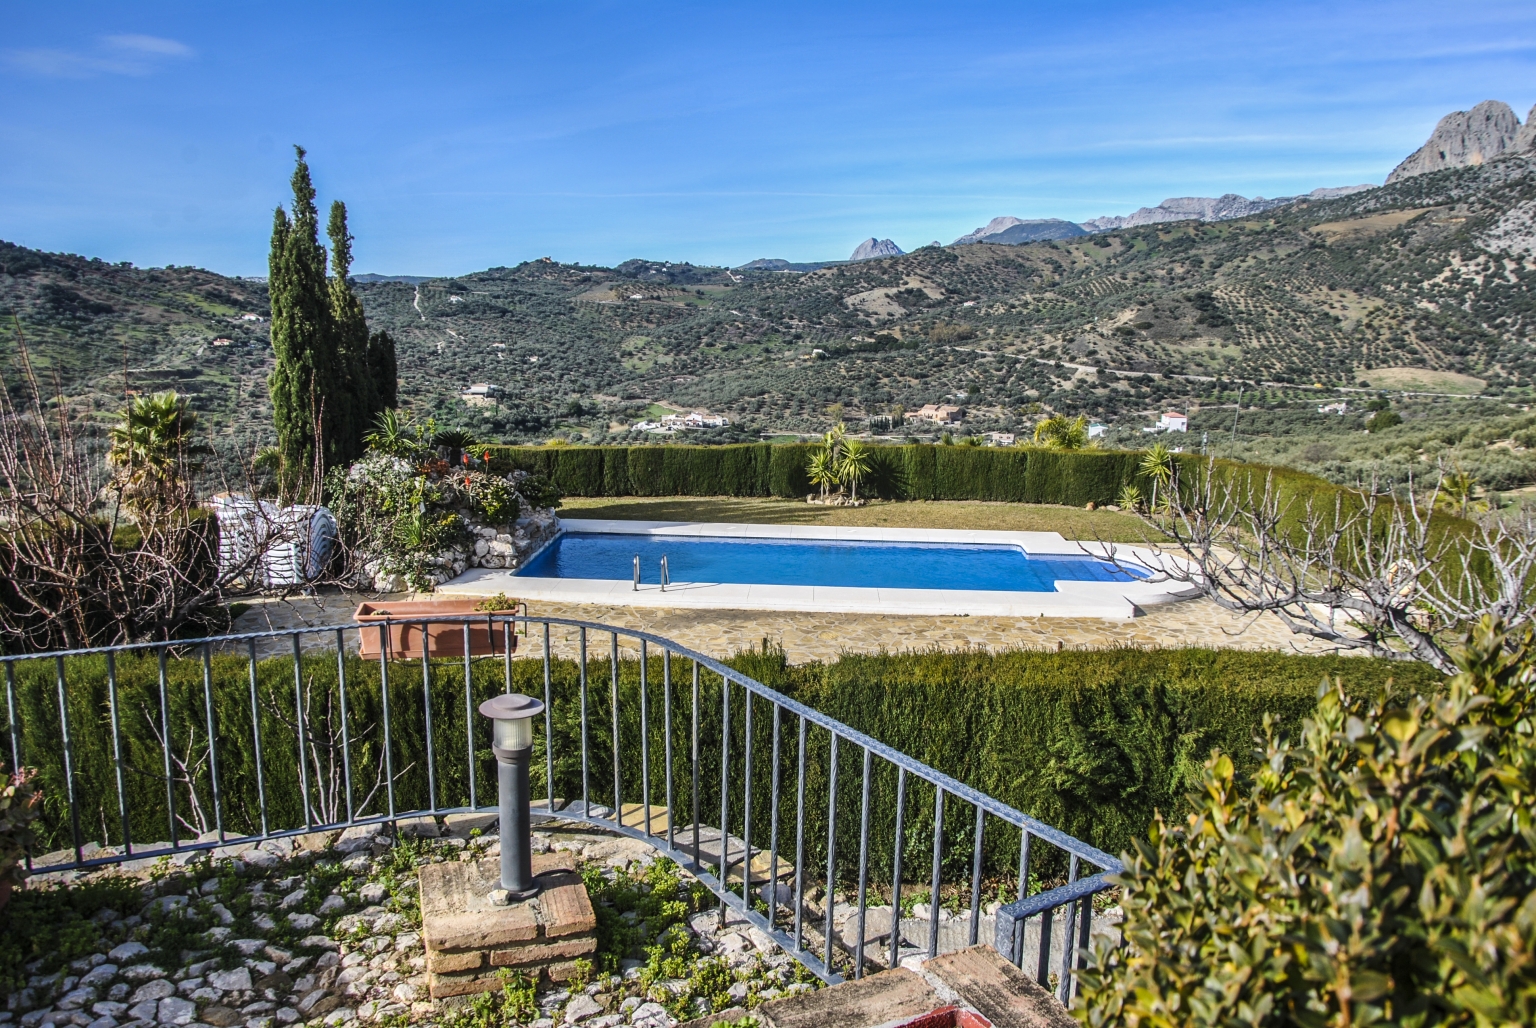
x: 807, y: 637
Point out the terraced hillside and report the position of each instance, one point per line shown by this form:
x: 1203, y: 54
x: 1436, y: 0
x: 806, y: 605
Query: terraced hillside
x: 1423, y: 285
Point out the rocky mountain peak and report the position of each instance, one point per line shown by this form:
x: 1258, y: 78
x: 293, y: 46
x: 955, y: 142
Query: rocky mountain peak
x: 872, y: 248
x: 1465, y: 138
x: 1013, y: 231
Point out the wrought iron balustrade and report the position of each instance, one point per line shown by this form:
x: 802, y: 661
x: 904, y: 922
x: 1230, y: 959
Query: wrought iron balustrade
x: 226, y: 748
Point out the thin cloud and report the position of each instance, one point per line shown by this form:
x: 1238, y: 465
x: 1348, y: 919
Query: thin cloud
x: 132, y: 54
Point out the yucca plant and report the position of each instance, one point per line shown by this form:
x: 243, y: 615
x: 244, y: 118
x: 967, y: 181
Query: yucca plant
x: 1157, y: 464
x: 854, y: 465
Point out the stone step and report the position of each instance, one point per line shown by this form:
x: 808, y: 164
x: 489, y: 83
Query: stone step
x: 970, y: 988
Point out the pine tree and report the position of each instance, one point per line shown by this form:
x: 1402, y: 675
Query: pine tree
x: 357, y: 393
x: 303, y: 383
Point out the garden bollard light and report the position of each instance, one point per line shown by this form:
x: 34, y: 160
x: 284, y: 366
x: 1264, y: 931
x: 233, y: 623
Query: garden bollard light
x: 512, y: 741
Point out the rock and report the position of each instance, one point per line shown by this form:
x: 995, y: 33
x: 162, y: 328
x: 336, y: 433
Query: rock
x: 164, y: 905
x: 733, y: 942
x: 260, y: 1022
x: 238, y: 980
x: 318, y: 942
x: 74, y: 999
x: 145, y: 1011
x: 142, y: 972
x: 103, y: 1022
x: 581, y: 1008
x: 221, y: 912
x: 175, y: 1010
x: 248, y: 947
x: 651, y: 1015
x: 293, y: 899
x: 737, y: 992
x: 333, y: 904
x: 153, y: 991
x: 286, y: 1015
x: 372, y: 892
x: 303, y: 922
x: 424, y: 827
x: 101, y: 974
x: 109, y: 1009
x: 1462, y: 139
x: 405, y: 992
x: 311, y: 1005
x: 872, y: 248
x: 222, y: 1017
x: 358, y: 837
x: 339, y: 1015
x: 187, y: 986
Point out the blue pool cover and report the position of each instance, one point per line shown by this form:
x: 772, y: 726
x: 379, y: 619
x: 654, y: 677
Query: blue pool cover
x: 816, y: 562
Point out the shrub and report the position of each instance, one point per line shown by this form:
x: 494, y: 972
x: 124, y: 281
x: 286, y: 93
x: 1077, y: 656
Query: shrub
x: 1383, y: 870
x: 20, y: 800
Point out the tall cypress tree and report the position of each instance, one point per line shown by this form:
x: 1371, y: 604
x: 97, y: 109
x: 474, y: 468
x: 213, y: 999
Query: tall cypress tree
x: 356, y: 390
x: 385, y: 372
x: 303, y: 383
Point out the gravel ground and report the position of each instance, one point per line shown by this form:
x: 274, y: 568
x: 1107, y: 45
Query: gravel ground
x: 324, y: 930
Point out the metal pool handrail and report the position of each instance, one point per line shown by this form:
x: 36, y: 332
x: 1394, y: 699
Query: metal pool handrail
x: 788, y: 930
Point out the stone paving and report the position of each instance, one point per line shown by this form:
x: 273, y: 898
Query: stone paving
x: 808, y: 637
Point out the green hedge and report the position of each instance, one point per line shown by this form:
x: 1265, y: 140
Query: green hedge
x: 917, y: 472
x: 1090, y: 742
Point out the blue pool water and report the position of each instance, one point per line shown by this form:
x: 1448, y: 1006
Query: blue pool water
x: 808, y: 562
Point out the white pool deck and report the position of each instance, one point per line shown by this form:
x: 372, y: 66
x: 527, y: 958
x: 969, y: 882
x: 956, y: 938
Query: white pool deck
x: 1071, y: 599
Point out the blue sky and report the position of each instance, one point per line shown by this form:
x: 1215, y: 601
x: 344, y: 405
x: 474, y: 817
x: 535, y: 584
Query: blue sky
x: 465, y: 136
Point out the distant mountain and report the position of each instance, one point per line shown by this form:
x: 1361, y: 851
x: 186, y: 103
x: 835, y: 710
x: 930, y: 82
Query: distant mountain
x: 409, y: 280
x: 1018, y: 230
x: 872, y: 248
x: 1465, y: 138
x: 779, y: 264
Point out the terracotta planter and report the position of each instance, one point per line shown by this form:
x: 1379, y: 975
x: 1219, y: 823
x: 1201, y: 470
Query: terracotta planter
x: 443, y: 639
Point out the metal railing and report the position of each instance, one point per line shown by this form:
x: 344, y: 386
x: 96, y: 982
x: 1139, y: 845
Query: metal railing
x: 800, y: 798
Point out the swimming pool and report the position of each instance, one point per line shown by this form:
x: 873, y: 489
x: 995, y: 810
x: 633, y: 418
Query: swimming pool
x: 817, y: 562
x: 834, y: 568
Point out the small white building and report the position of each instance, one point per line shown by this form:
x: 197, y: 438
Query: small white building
x: 1173, y: 421
x: 1341, y: 407
x: 1097, y: 431
x: 481, y: 394
x: 1000, y: 438
x: 695, y: 420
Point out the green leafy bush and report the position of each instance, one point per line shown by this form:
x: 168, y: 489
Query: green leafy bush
x: 1380, y: 871
x: 20, y: 800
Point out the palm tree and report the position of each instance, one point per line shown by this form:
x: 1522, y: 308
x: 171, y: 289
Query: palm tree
x: 1157, y: 464
x: 854, y: 465
x: 1060, y: 432
x: 822, y: 470
x: 1458, y: 489
x: 455, y: 441
x: 152, y: 446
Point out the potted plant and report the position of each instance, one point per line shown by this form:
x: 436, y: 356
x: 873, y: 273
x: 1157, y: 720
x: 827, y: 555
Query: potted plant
x: 443, y: 638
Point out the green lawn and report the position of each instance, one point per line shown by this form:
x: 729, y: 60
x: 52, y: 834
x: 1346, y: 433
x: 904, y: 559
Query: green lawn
x: 1071, y: 522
